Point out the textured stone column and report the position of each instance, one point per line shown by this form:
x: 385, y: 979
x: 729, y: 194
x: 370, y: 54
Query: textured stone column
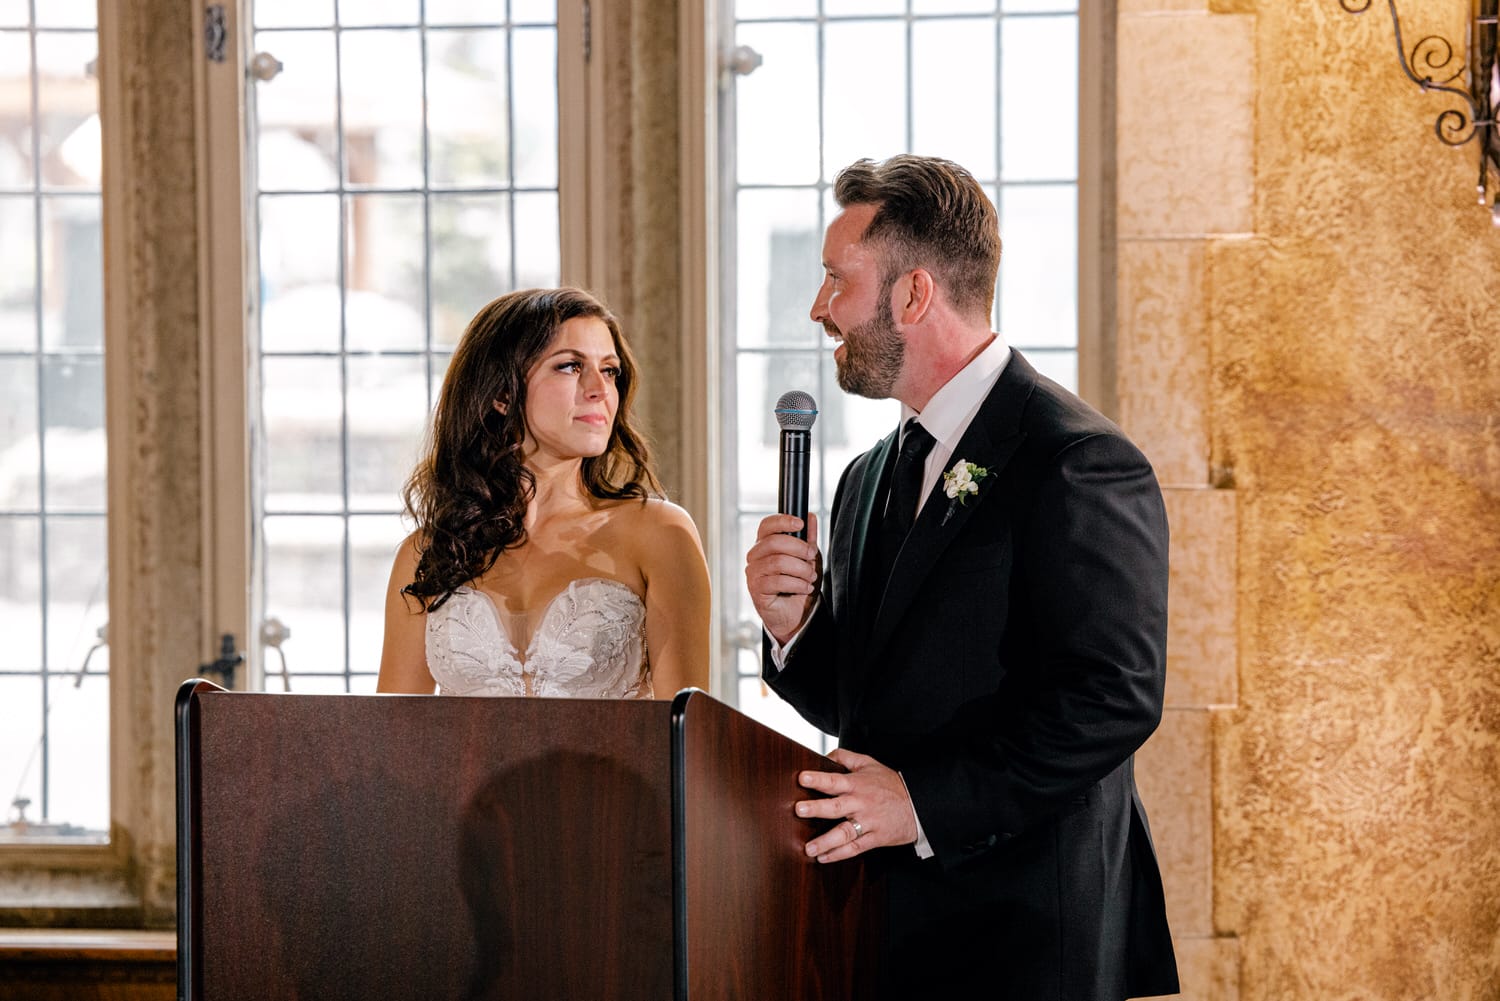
x: 152, y: 384
x: 1308, y: 324
x: 1186, y: 182
x: 1356, y: 351
x: 642, y: 282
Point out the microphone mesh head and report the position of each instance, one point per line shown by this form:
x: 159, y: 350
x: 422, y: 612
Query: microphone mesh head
x: 796, y: 411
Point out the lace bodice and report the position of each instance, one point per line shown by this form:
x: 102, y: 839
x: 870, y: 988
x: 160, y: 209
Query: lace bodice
x: 589, y: 643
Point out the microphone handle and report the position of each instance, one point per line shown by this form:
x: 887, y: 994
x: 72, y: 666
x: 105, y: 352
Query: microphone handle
x: 791, y: 496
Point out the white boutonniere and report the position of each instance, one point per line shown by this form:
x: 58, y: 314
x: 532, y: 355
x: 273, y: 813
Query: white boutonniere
x: 960, y: 482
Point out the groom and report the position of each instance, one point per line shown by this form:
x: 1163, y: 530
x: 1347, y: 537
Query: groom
x: 988, y: 637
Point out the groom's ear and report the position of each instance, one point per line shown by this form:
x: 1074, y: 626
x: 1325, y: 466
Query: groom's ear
x: 915, y: 294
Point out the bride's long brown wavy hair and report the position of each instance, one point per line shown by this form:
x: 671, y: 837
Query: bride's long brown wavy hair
x: 469, y: 492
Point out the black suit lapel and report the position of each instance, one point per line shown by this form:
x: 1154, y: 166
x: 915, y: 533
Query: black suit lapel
x: 869, y: 499
x: 990, y: 440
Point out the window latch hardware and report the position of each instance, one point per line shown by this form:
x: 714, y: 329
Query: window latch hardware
x: 229, y: 659
x: 215, y: 32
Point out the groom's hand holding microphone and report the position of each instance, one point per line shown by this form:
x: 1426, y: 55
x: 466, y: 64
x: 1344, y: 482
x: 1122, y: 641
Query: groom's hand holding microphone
x: 783, y: 568
x: 783, y: 573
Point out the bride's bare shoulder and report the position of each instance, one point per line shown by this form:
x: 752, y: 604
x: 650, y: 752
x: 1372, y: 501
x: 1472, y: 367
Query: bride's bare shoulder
x: 668, y: 515
x: 409, y: 552
x: 657, y: 522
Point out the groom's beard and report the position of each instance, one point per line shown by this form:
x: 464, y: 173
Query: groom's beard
x: 874, y: 352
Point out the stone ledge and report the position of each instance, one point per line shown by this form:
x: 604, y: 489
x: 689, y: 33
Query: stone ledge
x: 95, y: 944
x: 41, y: 898
x: 52, y: 965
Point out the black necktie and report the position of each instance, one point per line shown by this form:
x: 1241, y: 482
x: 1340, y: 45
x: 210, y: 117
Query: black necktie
x: 906, y: 492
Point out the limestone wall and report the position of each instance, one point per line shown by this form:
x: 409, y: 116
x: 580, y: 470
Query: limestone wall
x: 1310, y: 352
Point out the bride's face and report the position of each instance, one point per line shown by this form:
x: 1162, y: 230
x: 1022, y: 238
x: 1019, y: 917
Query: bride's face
x: 571, y: 396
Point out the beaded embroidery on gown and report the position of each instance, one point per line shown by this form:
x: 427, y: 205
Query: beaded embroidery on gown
x: 589, y: 643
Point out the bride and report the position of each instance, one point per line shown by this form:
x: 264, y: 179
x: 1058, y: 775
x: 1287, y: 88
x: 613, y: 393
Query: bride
x: 544, y: 561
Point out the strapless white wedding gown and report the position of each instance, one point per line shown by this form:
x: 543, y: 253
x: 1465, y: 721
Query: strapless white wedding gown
x: 590, y: 643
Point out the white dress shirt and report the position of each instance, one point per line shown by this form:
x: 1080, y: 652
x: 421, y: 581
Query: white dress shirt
x: 952, y: 408
x: 946, y: 417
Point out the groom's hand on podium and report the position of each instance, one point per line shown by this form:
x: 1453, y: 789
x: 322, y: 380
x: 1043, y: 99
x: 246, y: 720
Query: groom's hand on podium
x: 782, y: 574
x: 870, y: 798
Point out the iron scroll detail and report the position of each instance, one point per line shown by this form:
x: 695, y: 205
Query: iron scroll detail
x: 1473, y: 79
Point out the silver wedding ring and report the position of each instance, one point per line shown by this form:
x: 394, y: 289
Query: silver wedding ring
x: 858, y: 830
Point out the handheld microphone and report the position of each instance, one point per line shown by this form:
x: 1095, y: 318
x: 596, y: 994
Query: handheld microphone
x: 795, y: 413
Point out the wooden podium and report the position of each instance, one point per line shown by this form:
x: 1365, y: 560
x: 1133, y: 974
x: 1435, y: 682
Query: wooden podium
x: 419, y: 847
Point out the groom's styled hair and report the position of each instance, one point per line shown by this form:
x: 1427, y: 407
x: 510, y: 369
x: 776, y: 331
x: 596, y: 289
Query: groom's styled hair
x: 931, y: 214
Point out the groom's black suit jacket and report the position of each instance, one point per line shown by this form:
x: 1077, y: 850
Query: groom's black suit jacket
x: 1008, y: 666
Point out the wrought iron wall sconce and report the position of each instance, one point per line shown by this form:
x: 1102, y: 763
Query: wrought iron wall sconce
x: 1480, y: 91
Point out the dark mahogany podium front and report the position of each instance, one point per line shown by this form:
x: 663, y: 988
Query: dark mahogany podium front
x: 364, y: 847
